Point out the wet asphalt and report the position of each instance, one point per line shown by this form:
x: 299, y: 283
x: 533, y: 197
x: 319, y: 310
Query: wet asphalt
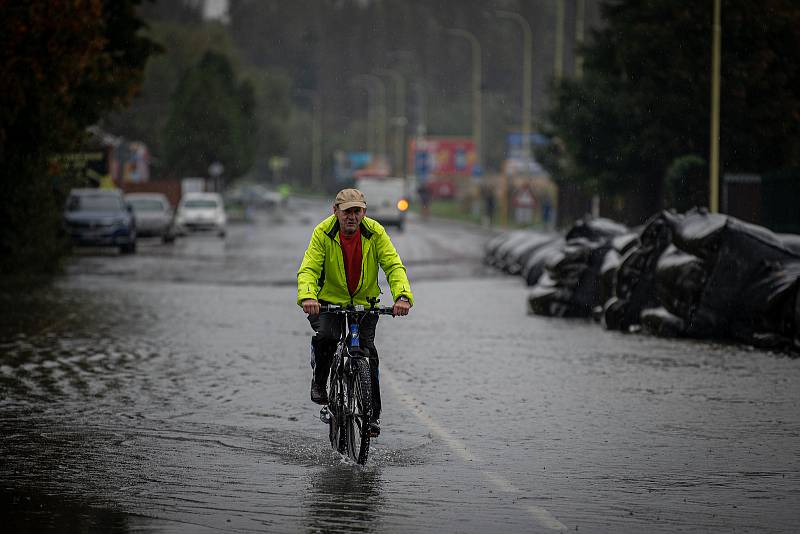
x: 168, y: 392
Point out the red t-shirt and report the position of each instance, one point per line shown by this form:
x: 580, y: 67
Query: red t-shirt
x: 351, y: 251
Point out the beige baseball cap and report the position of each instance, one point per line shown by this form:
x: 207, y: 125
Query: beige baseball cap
x: 350, y: 198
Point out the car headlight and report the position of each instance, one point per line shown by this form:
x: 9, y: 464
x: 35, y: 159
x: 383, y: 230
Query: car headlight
x: 121, y: 222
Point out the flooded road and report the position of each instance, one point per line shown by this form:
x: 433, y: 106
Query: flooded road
x: 168, y: 392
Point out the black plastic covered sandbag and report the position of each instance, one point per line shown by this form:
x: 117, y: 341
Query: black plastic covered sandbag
x: 497, y: 245
x: 700, y: 233
x: 623, y: 243
x: 548, y: 298
x: 790, y: 241
x: 608, y: 273
x: 660, y: 322
x: 501, y: 255
x: 635, y: 282
x: 768, y: 309
x: 750, y: 273
x: 572, y: 258
x: 492, y: 245
x: 570, y: 287
x: 680, y: 280
x: 596, y: 229
x: 586, y: 295
x: 518, y: 255
x: 535, y: 265
x: 620, y: 245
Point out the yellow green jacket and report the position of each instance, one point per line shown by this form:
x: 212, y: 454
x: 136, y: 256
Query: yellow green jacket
x: 322, y: 276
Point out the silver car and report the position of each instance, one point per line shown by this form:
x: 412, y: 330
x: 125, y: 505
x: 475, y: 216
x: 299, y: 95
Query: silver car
x: 154, y: 215
x: 201, y: 211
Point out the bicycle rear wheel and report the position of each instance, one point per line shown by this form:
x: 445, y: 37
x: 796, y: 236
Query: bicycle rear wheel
x: 358, y: 412
x: 337, y: 431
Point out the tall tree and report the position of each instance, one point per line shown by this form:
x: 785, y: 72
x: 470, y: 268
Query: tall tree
x: 644, y: 99
x: 184, y: 45
x: 64, y: 64
x: 211, y: 120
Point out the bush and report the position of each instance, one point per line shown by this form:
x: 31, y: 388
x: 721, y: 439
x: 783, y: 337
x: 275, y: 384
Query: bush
x: 687, y: 183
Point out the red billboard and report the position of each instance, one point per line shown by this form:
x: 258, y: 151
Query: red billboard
x: 442, y: 156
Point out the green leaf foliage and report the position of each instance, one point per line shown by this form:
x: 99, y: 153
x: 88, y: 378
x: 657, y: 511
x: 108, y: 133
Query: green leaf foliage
x: 65, y: 63
x: 687, y: 183
x: 645, y: 97
x: 261, y: 94
x: 211, y: 120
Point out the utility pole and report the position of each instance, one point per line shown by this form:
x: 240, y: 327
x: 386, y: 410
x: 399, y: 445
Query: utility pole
x: 377, y: 110
x: 399, y: 120
x: 713, y: 189
x: 477, y: 118
x: 316, y: 137
x: 527, y: 78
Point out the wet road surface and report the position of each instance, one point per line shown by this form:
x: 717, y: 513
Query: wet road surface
x: 168, y: 392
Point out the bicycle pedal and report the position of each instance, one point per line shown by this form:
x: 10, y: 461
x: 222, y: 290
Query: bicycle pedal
x: 325, y: 415
x: 374, y: 430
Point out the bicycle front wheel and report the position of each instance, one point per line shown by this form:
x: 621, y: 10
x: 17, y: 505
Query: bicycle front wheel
x: 358, y: 411
x: 337, y: 431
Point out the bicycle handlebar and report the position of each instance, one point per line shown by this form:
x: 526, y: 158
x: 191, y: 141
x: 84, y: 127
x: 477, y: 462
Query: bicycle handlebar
x: 357, y: 309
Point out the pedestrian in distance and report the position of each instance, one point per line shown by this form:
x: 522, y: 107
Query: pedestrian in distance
x: 340, y: 266
x: 424, y: 194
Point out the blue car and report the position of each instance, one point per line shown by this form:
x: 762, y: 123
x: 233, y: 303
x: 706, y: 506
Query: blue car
x: 100, y: 217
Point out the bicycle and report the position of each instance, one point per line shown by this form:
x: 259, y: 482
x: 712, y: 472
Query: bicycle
x: 349, y: 409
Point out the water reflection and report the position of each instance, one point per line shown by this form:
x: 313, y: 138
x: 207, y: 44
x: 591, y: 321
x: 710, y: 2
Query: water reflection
x: 37, y: 511
x: 345, y: 498
x: 63, y: 341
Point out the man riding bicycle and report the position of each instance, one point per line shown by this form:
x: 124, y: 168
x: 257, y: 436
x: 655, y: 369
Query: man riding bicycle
x: 340, y: 266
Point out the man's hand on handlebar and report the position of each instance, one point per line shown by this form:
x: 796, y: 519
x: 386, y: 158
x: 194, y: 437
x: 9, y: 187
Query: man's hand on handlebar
x: 311, y: 306
x: 401, y: 307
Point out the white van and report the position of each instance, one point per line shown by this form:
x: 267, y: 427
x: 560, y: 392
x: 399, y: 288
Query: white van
x: 387, y: 199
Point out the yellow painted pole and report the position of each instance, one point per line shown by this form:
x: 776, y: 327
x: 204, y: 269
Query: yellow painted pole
x: 558, y: 70
x: 715, y: 82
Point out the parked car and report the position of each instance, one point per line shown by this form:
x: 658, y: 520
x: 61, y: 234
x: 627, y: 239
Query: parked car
x: 387, y: 199
x: 254, y: 195
x: 100, y: 217
x: 201, y: 212
x: 154, y: 215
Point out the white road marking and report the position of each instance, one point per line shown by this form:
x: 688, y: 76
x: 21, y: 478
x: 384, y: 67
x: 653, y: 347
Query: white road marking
x: 542, y: 516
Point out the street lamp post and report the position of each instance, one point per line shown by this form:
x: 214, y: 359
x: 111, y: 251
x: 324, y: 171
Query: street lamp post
x: 527, y: 78
x: 399, y: 120
x: 421, y: 98
x: 316, y: 138
x: 377, y: 110
x: 370, y: 146
x: 476, y: 90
